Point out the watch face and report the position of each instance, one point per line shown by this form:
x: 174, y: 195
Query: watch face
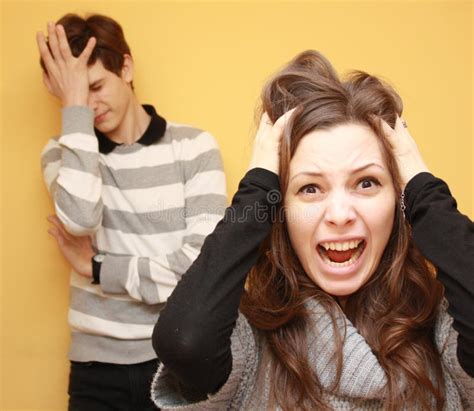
x: 99, y: 258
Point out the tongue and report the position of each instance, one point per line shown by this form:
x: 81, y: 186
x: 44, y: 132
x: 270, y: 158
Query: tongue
x: 339, y: 256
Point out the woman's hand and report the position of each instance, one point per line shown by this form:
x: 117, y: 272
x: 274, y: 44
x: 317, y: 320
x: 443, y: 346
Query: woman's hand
x: 266, y: 148
x: 408, y: 156
x: 67, y: 76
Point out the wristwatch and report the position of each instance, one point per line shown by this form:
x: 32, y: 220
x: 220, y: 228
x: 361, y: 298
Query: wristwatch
x: 96, y: 264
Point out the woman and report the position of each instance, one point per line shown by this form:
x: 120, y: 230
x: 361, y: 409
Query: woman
x: 324, y: 300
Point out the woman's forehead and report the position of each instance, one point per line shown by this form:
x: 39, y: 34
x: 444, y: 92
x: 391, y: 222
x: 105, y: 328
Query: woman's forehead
x: 344, y: 147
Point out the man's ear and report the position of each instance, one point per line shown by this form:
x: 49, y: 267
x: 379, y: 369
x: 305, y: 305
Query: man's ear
x: 127, y: 68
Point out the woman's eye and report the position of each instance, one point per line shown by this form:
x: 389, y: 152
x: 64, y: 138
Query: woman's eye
x: 368, y: 182
x: 309, y: 189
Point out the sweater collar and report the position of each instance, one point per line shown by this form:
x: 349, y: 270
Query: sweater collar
x: 154, y: 132
x: 362, y: 375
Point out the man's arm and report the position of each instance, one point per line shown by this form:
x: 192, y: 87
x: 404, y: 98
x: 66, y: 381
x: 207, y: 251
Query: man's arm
x: 152, y: 279
x: 71, y: 172
x: 71, y: 165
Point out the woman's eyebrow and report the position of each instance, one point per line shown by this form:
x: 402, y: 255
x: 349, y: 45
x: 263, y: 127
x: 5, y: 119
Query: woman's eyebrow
x: 307, y: 173
x: 362, y: 168
x: 356, y: 170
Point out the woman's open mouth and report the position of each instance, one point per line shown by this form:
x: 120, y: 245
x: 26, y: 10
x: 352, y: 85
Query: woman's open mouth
x: 341, y: 254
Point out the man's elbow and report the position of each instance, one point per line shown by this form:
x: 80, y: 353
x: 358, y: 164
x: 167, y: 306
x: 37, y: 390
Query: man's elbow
x: 80, y: 224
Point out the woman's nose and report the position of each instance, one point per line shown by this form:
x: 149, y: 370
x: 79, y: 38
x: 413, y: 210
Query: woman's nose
x: 339, y: 210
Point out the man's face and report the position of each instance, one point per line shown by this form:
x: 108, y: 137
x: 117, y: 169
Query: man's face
x: 109, y: 97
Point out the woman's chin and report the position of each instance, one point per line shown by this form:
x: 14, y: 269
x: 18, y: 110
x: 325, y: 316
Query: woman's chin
x: 341, y: 289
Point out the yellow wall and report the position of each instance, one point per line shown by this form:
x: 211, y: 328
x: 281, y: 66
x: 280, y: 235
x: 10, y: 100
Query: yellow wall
x: 204, y: 64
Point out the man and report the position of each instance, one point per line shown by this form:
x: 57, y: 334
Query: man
x: 134, y: 197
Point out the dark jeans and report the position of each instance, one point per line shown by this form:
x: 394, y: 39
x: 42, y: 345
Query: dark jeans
x: 96, y: 386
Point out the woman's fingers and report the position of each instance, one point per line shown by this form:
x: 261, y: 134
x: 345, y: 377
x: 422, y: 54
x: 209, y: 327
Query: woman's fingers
x: 267, y: 142
x: 267, y: 128
x: 405, y: 150
x: 281, y: 123
x: 399, y: 134
x: 264, y: 127
x: 388, y: 131
x: 285, y: 118
x: 401, y: 125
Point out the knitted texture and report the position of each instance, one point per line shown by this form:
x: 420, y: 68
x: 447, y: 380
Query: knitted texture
x: 362, y: 383
x: 148, y: 208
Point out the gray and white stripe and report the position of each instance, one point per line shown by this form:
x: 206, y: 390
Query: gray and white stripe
x: 148, y: 208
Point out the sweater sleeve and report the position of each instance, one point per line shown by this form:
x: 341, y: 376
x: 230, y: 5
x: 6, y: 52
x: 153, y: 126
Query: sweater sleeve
x: 193, y: 335
x: 446, y: 238
x: 71, y: 172
x: 169, y: 393
x: 152, y: 279
x: 446, y: 341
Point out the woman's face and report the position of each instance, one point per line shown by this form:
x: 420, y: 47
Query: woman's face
x: 340, y: 206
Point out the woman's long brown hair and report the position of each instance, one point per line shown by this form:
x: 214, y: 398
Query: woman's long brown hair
x: 395, y: 310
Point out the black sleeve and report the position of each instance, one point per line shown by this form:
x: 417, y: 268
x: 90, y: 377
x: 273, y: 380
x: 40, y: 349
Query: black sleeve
x: 192, y: 336
x: 446, y: 238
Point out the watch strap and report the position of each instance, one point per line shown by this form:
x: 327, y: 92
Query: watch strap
x: 96, y: 270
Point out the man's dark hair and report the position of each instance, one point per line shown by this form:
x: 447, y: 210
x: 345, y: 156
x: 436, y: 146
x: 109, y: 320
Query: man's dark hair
x: 111, y: 44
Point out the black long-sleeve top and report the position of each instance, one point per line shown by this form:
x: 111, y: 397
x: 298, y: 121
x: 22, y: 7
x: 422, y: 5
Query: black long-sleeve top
x: 193, y: 334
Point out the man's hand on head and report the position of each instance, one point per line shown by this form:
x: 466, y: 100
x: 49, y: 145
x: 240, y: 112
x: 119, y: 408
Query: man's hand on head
x: 77, y: 251
x: 66, y: 76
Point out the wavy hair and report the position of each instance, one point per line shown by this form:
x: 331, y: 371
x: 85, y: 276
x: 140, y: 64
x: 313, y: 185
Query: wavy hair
x: 395, y: 310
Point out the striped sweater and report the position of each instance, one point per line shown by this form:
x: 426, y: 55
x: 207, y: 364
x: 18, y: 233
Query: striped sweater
x: 148, y: 207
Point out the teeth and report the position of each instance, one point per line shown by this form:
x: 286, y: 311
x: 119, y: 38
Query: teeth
x: 352, y: 260
x: 341, y: 246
